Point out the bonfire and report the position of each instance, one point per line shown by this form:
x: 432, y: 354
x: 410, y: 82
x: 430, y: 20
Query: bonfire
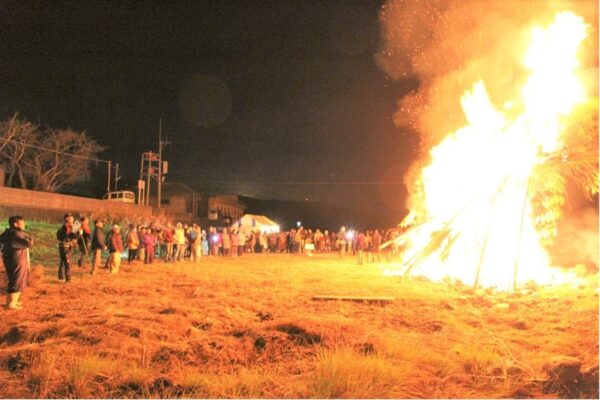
x: 485, y: 209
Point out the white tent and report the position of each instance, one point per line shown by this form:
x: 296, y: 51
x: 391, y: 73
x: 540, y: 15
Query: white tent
x: 251, y: 222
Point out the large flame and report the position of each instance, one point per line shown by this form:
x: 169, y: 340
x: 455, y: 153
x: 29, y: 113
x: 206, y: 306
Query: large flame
x: 475, y: 220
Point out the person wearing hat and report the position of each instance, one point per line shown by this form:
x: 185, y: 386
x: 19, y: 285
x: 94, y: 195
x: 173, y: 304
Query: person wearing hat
x: 67, y: 240
x: 15, y: 244
x: 115, y: 248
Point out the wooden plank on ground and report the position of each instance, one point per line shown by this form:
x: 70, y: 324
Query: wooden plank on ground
x: 360, y: 299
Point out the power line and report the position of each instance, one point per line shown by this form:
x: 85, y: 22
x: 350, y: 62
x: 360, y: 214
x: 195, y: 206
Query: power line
x: 54, y: 151
x: 322, y: 183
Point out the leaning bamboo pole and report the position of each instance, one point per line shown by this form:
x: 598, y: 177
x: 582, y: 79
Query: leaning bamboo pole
x: 520, y: 235
x: 484, y: 244
x: 400, y: 237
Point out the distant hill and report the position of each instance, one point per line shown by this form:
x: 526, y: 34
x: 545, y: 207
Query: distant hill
x: 314, y: 215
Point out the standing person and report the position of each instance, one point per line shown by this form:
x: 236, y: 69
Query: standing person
x: 226, y: 243
x: 67, y: 239
x: 169, y: 241
x: 241, y: 242
x: 327, y: 241
x: 115, y: 248
x: 341, y: 241
x: 160, y: 241
x: 98, y: 244
x: 235, y: 242
x: 319, y: 241
x: 179, y: 238
x: 253, y: 242
x: 360, y: 246
x: 299, y: 240
x: 141, y: 253
x: 197, y: 249
x: 376, y: 242
x: 204, y: 243
x: 369, y: 246
x: 133, y: 243
x: 281, y: 242
x: 213, y: 239
x: 15, y: 244
x: 84, y: 241
x: 290, y: 241
x: 263, y: 244
x: 192, y: 238
x: 148, y: 241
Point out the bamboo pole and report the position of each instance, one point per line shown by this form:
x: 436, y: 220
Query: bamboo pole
x: 400, y: 237
x: 520, y: 235
x: 484, y: 245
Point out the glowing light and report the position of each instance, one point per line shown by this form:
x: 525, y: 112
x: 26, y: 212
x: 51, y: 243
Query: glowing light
x: 475, y: 210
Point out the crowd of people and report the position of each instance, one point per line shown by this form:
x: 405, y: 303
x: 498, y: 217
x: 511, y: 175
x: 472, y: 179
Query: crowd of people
x: 177, y: 243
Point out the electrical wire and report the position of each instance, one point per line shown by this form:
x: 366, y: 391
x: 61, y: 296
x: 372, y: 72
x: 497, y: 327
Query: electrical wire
x: 54, y: 151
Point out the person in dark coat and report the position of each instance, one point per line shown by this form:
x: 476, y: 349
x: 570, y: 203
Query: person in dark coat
x: 15, y: 245
x: 67, y: 240
x: 98, y: 244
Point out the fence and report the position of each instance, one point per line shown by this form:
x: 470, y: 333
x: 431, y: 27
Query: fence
x: 52, y: 206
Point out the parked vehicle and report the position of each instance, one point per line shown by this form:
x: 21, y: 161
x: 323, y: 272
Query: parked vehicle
x: 124, y: 196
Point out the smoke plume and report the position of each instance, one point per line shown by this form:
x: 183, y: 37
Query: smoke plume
x: 451, y: 44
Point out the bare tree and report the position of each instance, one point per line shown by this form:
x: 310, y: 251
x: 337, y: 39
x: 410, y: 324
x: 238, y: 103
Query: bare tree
x: 15, y: 134
x: 45, y: 159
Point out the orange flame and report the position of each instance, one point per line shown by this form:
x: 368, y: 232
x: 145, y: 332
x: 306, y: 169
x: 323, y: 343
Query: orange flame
x: 474, y: 223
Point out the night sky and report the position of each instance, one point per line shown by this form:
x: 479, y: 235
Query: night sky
x: 253, y: 94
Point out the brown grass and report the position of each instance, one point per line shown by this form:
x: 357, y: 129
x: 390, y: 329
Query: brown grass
x: 247, y: 327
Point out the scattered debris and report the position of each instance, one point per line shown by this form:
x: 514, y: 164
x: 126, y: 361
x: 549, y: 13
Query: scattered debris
x: 204, y: 326
x: 365, y: 348
x: 359, y: 299
x: 260, y: 343
x: 16, y: 363
x: 14, y: 335
x: 520, y: 324
x: 299, y: 335
x: 434, y: 326
x: 264, y: 316
x: 165, y: 388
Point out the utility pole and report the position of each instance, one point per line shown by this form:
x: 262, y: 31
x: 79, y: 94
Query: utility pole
x: 161, y: 169
x: 117, y: 177
x: 148, y: 171
x: 152, y: 167
x: 108, y: 182
x: 159, y: 192
x: 148, y: 175
x: 141, y: 185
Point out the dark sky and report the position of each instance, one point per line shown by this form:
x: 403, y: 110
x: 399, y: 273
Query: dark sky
x: 253, y: 94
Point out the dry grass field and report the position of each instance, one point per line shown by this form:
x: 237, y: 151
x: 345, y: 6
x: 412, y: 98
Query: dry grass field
x: 248, y: 327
